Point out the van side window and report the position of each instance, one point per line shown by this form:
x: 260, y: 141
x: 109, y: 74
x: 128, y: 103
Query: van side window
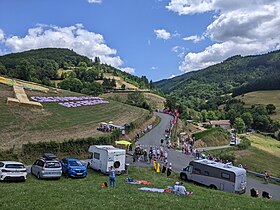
x: 96, y: 156
x: 197, y: 171
x: 225, y: 175
x: 206, y: 173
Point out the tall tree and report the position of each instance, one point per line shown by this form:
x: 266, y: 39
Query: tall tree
x: 270, y: 108
x: 247, y: 118
x: 239, y: 125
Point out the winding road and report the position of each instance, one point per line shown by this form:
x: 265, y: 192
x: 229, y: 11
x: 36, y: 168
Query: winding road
x: 180, y: 160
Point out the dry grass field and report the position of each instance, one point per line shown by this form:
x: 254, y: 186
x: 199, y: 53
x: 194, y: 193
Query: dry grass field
x: 155, y: 101
x: 19, y: 125
x: 263, y: 97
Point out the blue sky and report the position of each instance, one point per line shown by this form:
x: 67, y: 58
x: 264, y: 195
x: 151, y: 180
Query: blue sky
x: 156, y: 38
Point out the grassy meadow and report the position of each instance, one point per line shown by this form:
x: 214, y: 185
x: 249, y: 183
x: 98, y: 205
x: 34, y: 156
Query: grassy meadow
x: 262, y: 155
x: 19, y: 125
x: 263, y: 97
x: 86, y: 194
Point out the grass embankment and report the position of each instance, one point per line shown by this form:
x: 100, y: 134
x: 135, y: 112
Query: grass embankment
x: 262, y: 155
x: 86, y: 194
x: 19, y: 125
x: 211, y: 137
x: 263, y: 97
x: 155, y: 101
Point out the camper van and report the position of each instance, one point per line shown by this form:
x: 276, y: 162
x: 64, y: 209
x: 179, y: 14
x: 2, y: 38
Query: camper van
x: 102, y: 157
x: 216, y: 175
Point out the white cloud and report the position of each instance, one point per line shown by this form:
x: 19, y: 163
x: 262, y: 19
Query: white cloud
x: 194, y: 38
x: 95, y: 1
x: 162, y: 34
x: 185, y: 7
x: 239, y: 27
x: 180, y: 51
x: 2, y: 35
x: 74, y: 37
x: 154, y: 68
x: 173, y: 75
x: 128, y: 70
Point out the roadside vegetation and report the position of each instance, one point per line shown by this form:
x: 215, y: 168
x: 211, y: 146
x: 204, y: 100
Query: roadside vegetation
x: 86, y: 194
x: 211, y: 137
x: 262, y: 155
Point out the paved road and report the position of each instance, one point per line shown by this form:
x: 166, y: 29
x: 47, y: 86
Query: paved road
x: 180, y: 160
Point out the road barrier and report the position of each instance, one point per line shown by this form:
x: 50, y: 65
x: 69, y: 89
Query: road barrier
x: 262, y: 176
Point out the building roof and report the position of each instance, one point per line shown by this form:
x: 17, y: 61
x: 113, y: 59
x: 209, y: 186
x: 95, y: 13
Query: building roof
x: 220, y: 122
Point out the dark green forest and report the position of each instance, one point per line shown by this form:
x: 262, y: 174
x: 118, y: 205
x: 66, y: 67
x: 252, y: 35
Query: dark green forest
x: 198, y: 95
x: 210, y: 87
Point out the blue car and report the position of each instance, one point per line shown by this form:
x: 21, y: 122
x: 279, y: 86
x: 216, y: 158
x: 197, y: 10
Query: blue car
x: 72, y: 167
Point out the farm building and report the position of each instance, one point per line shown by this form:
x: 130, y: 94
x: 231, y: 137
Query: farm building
x: 225, y: 124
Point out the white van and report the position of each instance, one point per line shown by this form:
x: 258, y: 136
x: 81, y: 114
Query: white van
x: 104, y: 156
x: 216, y: 175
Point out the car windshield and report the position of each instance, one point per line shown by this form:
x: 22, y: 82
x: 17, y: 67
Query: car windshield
x: 52, y: 165
x: 75, y: 163
x: 14, y: 166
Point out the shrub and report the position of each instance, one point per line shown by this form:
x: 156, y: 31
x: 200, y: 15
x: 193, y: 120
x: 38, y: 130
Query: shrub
x: 244, y: 144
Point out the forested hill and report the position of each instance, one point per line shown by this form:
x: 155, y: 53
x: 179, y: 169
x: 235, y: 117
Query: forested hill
x: 63, y: 57
x: 75, y: 72
x: 237, y: 74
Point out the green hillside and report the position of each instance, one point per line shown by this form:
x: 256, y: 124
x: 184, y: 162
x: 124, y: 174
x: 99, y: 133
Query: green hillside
x: 214, y: 84
x: 86, y: 194
x: 77, y: 73
x: 264, y: 98
x: 20, y: 125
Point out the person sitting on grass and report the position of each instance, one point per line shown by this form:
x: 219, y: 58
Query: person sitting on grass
x: 254, y: 193
x: 180, y: 189
x: 266, y: 195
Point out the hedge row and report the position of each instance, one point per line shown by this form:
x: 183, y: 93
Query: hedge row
x: 76, y: 146
x: 80, y: 145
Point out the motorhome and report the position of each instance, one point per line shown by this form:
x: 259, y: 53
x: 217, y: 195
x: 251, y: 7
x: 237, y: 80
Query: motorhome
x: 216, y: 175
x: 102, y: 157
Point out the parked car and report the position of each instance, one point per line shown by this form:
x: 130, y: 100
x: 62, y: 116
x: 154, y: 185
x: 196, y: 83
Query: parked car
x: 47, y: 166
x: 72, y: 167
x: 232, y: 142
x: 10, y: 170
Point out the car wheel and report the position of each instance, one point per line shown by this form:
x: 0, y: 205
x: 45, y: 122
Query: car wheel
x: 38, y: 176
x: 183, y: 176
x: 213, y: 187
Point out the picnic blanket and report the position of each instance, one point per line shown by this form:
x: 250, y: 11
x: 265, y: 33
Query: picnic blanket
x: 151, y: 189
x: 144, y: 182
x: 131, y: 181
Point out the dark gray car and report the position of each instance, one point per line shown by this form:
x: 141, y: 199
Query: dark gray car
x: 45, y: 167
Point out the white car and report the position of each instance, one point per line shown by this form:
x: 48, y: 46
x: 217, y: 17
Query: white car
x: 11, y: 170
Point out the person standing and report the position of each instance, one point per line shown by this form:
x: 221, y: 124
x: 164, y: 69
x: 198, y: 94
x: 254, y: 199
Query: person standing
x: 161, y: 142
x: 112, y: 177
x: 169, y: 170
x: 164, y: 167
x: 266, y: 177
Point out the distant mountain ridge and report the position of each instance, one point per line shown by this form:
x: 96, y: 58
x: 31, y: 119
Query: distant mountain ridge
x: 232, y: 75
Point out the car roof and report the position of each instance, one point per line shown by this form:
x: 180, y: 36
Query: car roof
x: 72, y: 159
x: 11, y: 162
x: 45, y: 159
